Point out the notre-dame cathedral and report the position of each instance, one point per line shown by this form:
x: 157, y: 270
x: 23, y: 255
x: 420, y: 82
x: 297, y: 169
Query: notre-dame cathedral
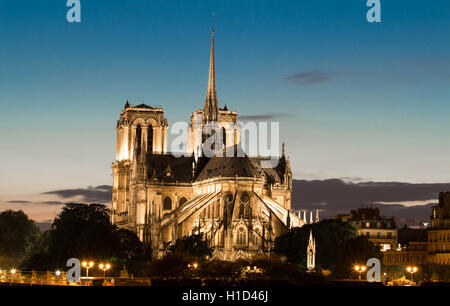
x: 238, y: 205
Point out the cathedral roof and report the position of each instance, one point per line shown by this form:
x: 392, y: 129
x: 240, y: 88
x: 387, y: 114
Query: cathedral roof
x: 179, y: 168
x: 143, y: 106
x: 228, y: 167
x: 273, y: 175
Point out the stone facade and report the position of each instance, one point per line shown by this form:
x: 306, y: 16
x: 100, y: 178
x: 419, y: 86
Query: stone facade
x: 238, y: 205
x: 439, y: 231
x: 415, y: 254
x: 380, y: 230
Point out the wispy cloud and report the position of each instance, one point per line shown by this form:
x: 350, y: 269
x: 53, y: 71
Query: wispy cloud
x: 51, y: 202
x: 263, y: 117
x: 309, y: 77
x: 102, y: 193
x: 35, y: 202
x: 18, y: 202
x: 393, y: 198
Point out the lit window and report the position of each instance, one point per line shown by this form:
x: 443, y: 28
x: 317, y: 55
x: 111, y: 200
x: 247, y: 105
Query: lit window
x: 241, y: 237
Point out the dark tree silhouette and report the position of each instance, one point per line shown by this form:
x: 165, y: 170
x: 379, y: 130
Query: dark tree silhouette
x: 17, y: 232
x: 193, y: 246
x: 329, y: 234
x: 355, y: 251
x: 83, y: 231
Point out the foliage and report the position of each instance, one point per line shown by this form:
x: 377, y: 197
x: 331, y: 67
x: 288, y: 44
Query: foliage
x: 338, y: 247
x: 17, y: 233
x: 192, y: 246
x: 174, y: 265
x: 351, y: 252
x: 329, y: 235
x: 82, y: 231
x: 434, y: 272
x: 185, y: 251
x: 219, y: 268
x: 273, y: 270
x: 401, y: 281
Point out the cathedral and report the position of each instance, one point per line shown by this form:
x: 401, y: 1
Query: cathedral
x: 237, y: 203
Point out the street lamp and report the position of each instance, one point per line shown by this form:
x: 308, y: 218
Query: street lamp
x: 360, y: 270
x: 193, y: 267
x: 13, y: 272
x: 104, y: 268
x: 87, y: 266
x: 411, y: 270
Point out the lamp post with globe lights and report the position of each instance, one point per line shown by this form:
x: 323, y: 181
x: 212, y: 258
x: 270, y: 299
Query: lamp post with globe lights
x: 87, y: 266
x: 412, y: 270
x: 360, y: 270
x: 104, y: 267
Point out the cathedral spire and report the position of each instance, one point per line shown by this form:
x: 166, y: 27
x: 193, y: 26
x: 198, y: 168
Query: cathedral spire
x: 311, y: 253
x: 211, y: 108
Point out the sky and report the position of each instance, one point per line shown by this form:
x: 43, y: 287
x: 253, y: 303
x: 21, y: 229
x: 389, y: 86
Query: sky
x: 356, y: 101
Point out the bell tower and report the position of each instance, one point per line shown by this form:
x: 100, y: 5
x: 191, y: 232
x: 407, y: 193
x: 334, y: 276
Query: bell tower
x: 141, y: 130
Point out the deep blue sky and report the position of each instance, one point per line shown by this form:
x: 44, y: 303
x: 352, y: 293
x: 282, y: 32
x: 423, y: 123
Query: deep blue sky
x: 380, y: 110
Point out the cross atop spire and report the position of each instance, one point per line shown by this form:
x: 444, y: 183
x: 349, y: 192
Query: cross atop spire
x: 211, y: 108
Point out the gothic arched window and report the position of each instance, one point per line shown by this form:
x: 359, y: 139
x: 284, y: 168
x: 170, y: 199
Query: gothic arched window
x: 150, y: 139
x: 228, y: 198
x: 241, y: 211
x: 245, y: 198
x: 167, y: 203
x: 241, y: 236
x: 138, y: 138
x: 212, y: 134
x: 182, y: 201
x: 224, y: 137
x: 256, y: 237
x: 217, y: 209
x: 244, y: 209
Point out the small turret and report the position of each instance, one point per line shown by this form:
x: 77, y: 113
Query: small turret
x: 311, y: 253
x: 168, y: 171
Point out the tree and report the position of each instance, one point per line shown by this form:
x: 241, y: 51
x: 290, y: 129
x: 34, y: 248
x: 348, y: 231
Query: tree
x: 83, y: 231
x: 129, y: 245
x: 17, y: 232
x: 329, y: 234
x: 193, y: 246
x: 433, y: 272
x: 354, y: 251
